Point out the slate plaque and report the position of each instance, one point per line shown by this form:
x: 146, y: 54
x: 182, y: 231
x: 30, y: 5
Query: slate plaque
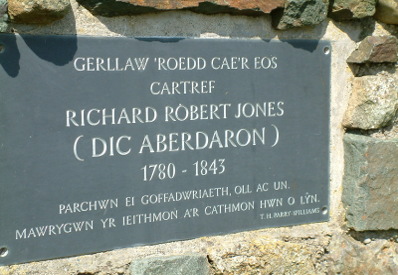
x: 115, y: 142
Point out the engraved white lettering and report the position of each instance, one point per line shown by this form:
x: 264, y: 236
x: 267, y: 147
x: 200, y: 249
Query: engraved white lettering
x: 84, y: 206
x: 182, y: 87
x: 229, y: 208
x: 110, y: 64
x: 58, y: 229
x: 200, y: 140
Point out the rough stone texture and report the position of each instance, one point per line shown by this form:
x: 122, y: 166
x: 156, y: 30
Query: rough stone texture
x: 288, y: 250
x: 376, y: 49
x: 342, y: 10
x: 127, y: 7
x: 3, y: 15
x: 176, y: 265
x: 373, y: 102
x: 37, y: 11
x: 351, y: 257
x: 300, y: 13
x: 390, y: 132
x: 366, y: 69
x: 370, y: 185
x: 266, y: 256
x: 387, y: 11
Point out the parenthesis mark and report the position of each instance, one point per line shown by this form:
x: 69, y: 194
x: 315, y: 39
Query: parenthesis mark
x: 276, y: 135
x: 75, y: 149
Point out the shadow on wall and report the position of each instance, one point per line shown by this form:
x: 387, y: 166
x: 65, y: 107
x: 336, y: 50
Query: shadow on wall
x: 191, y: 24
x: 58, y: 50
x: 367, y: 26
x: 9, y: 54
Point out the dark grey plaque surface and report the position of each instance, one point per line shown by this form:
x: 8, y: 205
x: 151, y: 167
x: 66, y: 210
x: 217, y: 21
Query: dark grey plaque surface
x: 115, y: 142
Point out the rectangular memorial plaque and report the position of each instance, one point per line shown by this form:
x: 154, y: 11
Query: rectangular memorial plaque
x: 115, y: 142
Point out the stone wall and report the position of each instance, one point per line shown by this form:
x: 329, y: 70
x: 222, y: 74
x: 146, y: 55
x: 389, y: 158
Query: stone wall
x: 362, y: 234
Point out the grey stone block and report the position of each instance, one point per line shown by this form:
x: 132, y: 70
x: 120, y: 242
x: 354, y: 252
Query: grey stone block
x: 376, y: 49
x: 370, y: 185
x: 3, y: 15
x: 173, y: 265
x: 352, y: 9
x: 373, y: 102
x: 300, y: 13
